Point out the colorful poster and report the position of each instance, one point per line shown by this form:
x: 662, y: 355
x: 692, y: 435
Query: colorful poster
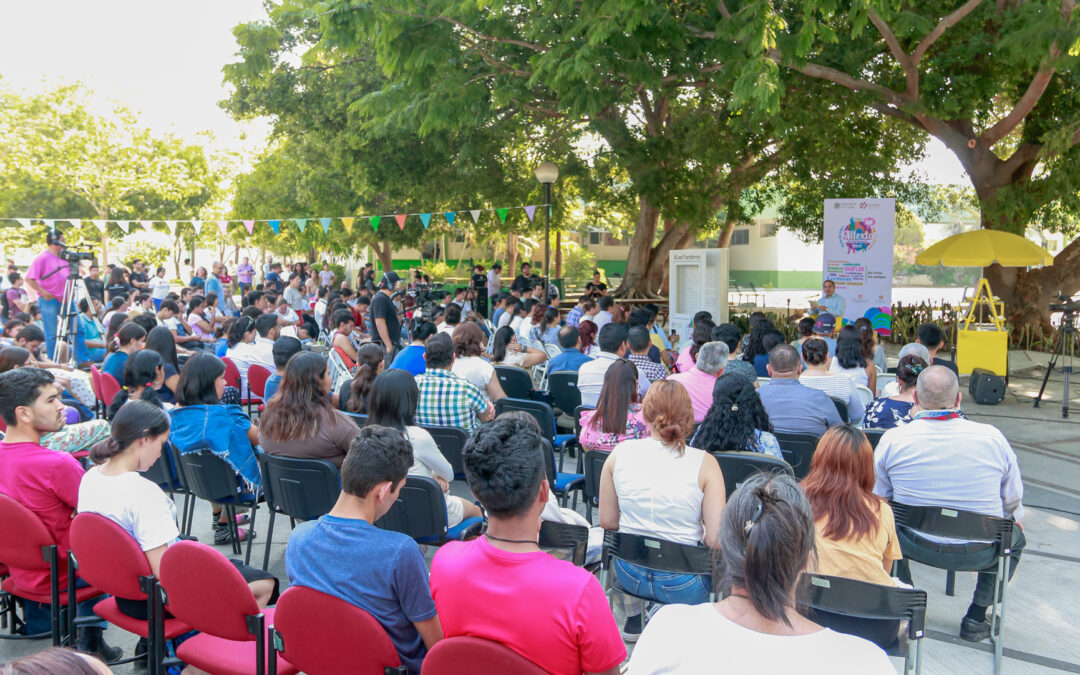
x: 859, y: 236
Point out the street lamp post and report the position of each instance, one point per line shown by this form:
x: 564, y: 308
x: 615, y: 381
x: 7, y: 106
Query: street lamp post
x: 547, y: 173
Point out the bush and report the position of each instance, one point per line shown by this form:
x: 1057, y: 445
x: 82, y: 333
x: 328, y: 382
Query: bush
x: 578, y: 263
x: 152, y: 256
x: 437, y: 270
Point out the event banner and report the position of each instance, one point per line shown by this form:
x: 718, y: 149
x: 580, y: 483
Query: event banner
x: 859, y: 236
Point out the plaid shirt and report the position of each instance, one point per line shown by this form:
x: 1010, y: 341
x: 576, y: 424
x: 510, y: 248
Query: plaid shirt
x: 653, y: 370
x: 573, y: 317
x: 447, y: 400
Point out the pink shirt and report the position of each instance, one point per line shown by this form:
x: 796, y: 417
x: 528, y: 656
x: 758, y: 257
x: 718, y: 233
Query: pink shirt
x: 699, y: 385
x: 47, y: 483
x: 547, y: 610
x: 685, y: 362
x: 42, y: 270
x: 594, y: 438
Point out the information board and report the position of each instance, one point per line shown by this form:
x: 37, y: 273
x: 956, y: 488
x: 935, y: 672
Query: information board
x: 859, y: 238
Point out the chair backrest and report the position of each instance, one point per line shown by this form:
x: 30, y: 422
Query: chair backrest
x: 324, y: 635
x: 953, y: 523
x: 206, y: 591
x: 656, y: 554
x: 798, y: 450
x: 257, y: 376
x: 866, y: 397
x: 541, y: 411
x: 594, y: 464
x: 420, y: 509
x: 874, y: 436
x: 232, y: 373
x: 552, y: 350
x: 549, y: 461
x: 841, y: 408
x: 109, y: 558
x: 109, y: 388
x: 208, y: 476
x: 163, y: 473
x: 864, y: 600
x: 564, y: 536
x: 95, y: 382
x: 451, y: 442
x: 465, y: 655
x: 577, y: 417
x: 359, y: 418
x: 301, y: 488
x: 563, y: 387
x: 737, y: 466
x: 516, y: 382
x: 24, y: 536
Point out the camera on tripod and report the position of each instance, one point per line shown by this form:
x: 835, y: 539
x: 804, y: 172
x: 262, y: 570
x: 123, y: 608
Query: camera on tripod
x: 76, y: 256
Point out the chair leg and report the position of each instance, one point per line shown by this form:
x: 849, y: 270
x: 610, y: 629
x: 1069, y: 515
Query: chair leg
x: 251, y: 533
x: 997, y: 615
x: 269, y: 539
x: 950, y: 583
x: 234, y: 529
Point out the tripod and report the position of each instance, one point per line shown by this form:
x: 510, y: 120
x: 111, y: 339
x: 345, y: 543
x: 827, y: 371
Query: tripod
x: 67, y: 322
x: 1066, y: 338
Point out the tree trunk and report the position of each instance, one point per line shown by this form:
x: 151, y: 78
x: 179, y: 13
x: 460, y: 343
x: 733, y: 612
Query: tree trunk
x: 104, y: 252
x: 724, y: 239
x: 558, y: 255
x: 384, y: 252
x: 511, y: 254
x: 635, y: 281
x: 1028, y: 293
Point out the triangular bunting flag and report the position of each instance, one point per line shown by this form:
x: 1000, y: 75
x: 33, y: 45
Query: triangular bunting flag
x: 475, y: 215
x: 171, y: 224
x: 197, y: 224
x: 147, y: 225
x: 75, y: 222
x: 400, y: 218
x: 249, y: 225
x: 347, y: 222
x: 530, y: 211
x: 123, y: 225
x: 101, y: 225
x: 502, y: 214
x: 223, y: 225
x: 51, y: 224
x: 450, y: 215
x: 325, y: 222
x: 375, y: 222
x: 425, y: 218
x: 301, y: 223
x: 25, y: 222
x: 274, y: 225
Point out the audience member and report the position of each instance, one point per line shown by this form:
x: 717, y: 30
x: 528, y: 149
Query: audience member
x: 571, y: 357
x: 872, y: 348
x: 618, y: 415
x: 129, y: 339
x: 792, y: 406
x: 547, y: 330
x: 261, y: 351
x: 932, y: 337
x: 805, y: 327
x: 825, y: 328
x: 412, y: 357
x: 144, y: 374
x: 447, y: 400
x: 580, y: 310
x: 588, y: 330
x: 850, y: 361
x: 507, y: 351
x: 736, y: 420
x: 729, y: 334
x: 699, y: 381
x: 93, y: 332
x: 889, y: 411
x: 284, y: 349
x: 239, y: 337
x: 767, y: 540
x: 341, y: 338
x: 640, y: 345
x: 353, y: 394
x: 912, y: 349
x: 603, y: 317
x: 701, y: 333
x: 469, y: 364
x: 484, y: 587
x: 941, y: 458
x: 161, y: 340
x: 815, y: 355
x: 660, y: 487
x: 56, y: 660
x: 451, y: 319
x: 613, y: 346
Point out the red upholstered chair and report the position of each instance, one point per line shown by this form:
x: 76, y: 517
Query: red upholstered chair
x: 233, y: 379
x: 26, y: 544
x: 205, y: 591
x: 465, y: 655
x: 109, y: 388
x: 257, y: 376
x: 324, y: 635
x: 95, y: 383
x: 111, y: 560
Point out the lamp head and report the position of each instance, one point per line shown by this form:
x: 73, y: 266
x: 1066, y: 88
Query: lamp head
x: 546, y: 172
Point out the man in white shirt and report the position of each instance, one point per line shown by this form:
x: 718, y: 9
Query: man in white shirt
x: 261, y: 352
x: 603, y: 316
x: 612, y: 340
x: 942, y: 459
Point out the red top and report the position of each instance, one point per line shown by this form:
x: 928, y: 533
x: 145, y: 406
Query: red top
x: 46, y: 482
x: 547, y: 610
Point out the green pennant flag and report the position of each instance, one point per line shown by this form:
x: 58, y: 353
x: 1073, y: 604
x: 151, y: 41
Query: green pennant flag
x: 502, y: 214
x: 375, y: 222
x: 301, y: 223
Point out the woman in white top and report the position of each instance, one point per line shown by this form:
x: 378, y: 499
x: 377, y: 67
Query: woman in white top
x: 767, y: 539
x: 815, y: 354
x: 850, y: 360
x: 507, y: 351
x: 469, y: 344
x: 662, y: 488
x: 394, y: 396
x: 159, y: 287
x: 115, y: 490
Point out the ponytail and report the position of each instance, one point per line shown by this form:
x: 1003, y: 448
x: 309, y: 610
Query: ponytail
x: 369, y: 357
x: 132, y: 422
x: 110, y: 447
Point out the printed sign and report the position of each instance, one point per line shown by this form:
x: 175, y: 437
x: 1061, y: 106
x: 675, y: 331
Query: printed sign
x: 859, y: 236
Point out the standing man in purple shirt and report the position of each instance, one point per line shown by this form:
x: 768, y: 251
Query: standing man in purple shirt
x: 47, y: 276
x: 244, y: 273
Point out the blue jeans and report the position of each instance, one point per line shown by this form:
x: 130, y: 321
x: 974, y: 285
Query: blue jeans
x: 38, y: 616
x: 50, y: 315
x: 664, y: 587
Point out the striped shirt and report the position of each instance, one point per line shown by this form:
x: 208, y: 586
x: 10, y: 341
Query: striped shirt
x: 839, y: 387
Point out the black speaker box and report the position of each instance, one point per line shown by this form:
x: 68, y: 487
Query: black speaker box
x: 986, y: 387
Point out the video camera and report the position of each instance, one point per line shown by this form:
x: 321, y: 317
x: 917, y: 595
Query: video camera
x: 76, y: 256
x: 1067, y: 305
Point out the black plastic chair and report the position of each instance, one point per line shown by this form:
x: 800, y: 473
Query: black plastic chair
x: 833, y: 600
x: 841, y: 407
x: 164, y: 473
x: 952, y: 523
x: 874, y: 436
x: 300, y: 488
x: 737, y: 466
x: 420, y: 512
x: 211, y: 478
x: 544, y: 416
x: 563, y: 387
x: 516, y: 382
x: 359, y: 418
x: 655, y: 554
x: 594, y: 464
x: 577, y: 434
x: 451, y: 442
x: 564, y: 537
x: 798, y: 450
x: 562, y: 484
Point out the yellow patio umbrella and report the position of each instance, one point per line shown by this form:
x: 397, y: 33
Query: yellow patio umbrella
x: 980, y: 248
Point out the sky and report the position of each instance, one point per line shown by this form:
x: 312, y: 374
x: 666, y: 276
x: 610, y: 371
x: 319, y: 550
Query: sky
x: 163, y: 60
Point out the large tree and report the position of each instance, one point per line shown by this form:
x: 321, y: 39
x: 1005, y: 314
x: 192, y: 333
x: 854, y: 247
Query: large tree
x: 996, y: 82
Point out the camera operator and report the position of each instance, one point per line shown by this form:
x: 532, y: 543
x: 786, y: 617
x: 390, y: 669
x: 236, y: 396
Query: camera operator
x: 479, y: 294
x: 47, y: 275
x: 384, y: 316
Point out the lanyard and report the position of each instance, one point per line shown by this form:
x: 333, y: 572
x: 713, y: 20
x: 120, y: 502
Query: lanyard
x: 938, y: 415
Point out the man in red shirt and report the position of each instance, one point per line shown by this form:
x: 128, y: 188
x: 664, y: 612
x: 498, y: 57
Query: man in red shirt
x: 501, y: 586
x: 47, y: 483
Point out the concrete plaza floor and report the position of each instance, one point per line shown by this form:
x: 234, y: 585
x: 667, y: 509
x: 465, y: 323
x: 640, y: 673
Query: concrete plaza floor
x: 1042, y: 628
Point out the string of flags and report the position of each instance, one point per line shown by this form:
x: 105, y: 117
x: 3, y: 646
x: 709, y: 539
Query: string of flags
x: 275, y: 224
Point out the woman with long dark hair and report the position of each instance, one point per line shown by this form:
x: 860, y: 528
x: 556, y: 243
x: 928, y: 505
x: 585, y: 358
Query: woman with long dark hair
x: 871, y: 346
x: 851, y: 361
x: 393, y: 404
x: 117, y: 286
x: 143, y: 374
x: 737, y: 420
x: 547, y: 329
x: 587, y: 330
x: 162, y: 341
x: 618, y: 415
x: 508, y: 352
x: 197, y: 321
x: 353, y: 395
x: 300, y: 421
x: 129, y: 338
x: 755, y: 342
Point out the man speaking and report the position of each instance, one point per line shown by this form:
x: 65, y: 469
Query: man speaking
x: 829, y: 302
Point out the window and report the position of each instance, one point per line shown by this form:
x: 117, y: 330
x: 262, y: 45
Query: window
x: 740, y: 237
x: 768, y: 230
x: 594, y: 238
x: 459, y: 238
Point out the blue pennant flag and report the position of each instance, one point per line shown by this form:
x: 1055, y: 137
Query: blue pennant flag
x: 274, y: 225
x: 325, y: 222
x: 425, y: 218
x: 450, y: 215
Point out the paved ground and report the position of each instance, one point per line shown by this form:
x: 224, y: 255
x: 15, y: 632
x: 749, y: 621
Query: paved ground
x: 1043, y: 608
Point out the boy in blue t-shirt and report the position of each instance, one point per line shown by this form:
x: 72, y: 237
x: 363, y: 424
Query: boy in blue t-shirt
x: 344, y: 555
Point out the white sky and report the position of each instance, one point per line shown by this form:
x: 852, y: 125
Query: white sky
x: 163, y: 59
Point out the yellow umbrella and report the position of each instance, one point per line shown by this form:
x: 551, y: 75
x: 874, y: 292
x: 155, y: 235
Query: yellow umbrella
x: 980, y: 248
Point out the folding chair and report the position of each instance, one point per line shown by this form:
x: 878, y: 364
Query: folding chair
x: 655, y: 554
x: 516, y: 382
x: 874, y: 436
x: 420, y: 512
x: 798, y: 450
x: 204, y: 590
x: 211, y: 478
x: 737, y: 466
x: 841, y: 407
x: 866, y: 397
x: 233, y: 379
x: 562, y: 385
x: 831, y: 598
x: 300, y: 488
x: 466, y: 655
x: 451, y: 442
x: 971, y: 527
x: 563, y: 537
x: 594, y: 464
x: 544, y: 416
x: 164, y: 473
x: 323, y: 635
x: 110, y: 559
x: 257, y: 377
x: 562, y: 484
x: 109, y: 388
